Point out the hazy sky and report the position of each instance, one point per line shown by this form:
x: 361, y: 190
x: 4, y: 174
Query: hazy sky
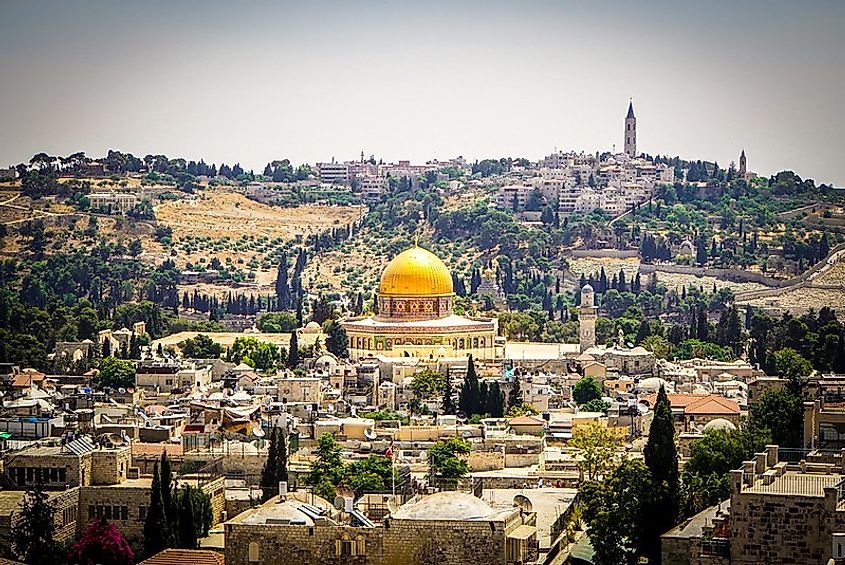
x: 256, y: 81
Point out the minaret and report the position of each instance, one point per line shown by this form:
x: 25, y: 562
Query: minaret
x: 587, y: 318
x: 631, y: 131
x: 743, y: 165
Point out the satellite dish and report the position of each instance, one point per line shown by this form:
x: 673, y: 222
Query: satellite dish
x: 121, y: 390
x: 370, y: 434
x: 258, y: 432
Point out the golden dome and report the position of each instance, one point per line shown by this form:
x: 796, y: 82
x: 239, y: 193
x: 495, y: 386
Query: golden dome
x: 416, y: 272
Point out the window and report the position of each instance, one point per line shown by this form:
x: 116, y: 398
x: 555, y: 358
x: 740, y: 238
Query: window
x: 142, y: 513
x: 253, y: 552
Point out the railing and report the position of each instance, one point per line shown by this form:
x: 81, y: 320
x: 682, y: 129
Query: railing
x: 809, y: 484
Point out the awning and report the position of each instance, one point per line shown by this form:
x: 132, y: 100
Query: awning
x: 523, y: 532
x: 5, y: 435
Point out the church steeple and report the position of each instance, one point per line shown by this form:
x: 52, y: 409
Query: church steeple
x: 631, y: 131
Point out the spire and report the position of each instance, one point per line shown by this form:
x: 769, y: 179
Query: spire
x: 743, y: 153
x: 630, y: 108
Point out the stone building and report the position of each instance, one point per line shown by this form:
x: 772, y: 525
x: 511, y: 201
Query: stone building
x: 779, y: 512
x: 78, y: 462
x: 66, y: 518
x: 446, y: 528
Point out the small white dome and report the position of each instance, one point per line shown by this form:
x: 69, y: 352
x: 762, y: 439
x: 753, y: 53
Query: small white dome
x: 719, y: 424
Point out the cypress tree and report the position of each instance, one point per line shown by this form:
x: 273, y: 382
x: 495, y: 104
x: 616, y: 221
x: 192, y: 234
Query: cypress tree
x: 661, y: 458
x: 293, y: 350
x: 515, y: 394
x: 187, y: 530
x: 468, y: 400
x: 170, y: 510
x: 155, y: 524
x: 268, y: 472
x: 448, y: 401
x: 495, y: 401
x: 483, y: 394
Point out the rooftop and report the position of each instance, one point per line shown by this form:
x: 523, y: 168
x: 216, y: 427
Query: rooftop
x: 182, y: 556
x: 446, y: 505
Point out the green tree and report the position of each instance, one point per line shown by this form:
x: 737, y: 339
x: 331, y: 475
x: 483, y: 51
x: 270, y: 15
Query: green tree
x: 470, y: 391
x: 614, y: 512
x: 200, y: 347
x: 448, y: 399
x: 268, y: 472
x: 597, y: 447
x: 293, y: 350
x: 156, y: 531
x: 494, y: 402
x: 168, y: 498
x: 277, y: 322
x: 322, y: 310
x: 661, y: 458
x: 275, y: 469
x: 427, y: 384
x: 336, y: 340
x: 325, y: 471
x: 515, y: 397
x: 115, y: 373
x: 445, y: 464
x: 794, y: 367
x: 585, y: 390
x: 523, y: 410
x: 187, y: 531
x: 780, y: 412
x: 596, y: 405
x: 658, y: 345
x: 707, y: 471
x: 33, y: 529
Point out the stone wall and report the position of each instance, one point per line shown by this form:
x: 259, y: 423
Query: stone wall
x: 65, y: 519
x: 109, y: 467
x: 75, y: 471
x: 124, y: 506
x: 687, y: 551
x: 423, y: 542
x: 399, y: 542
x: 303, y: 545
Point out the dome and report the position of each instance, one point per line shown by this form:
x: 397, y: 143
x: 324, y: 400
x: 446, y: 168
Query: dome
x: 312, y: 327
x: 587, y: 288
x: 416, y: 272
x: 719, y: 424
x: 445, y: 505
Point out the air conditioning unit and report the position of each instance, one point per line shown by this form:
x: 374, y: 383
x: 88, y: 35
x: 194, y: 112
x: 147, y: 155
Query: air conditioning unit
x: 133, y: 473
x: 283, y: 491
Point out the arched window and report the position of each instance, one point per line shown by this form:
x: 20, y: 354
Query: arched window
x: 253, y: 552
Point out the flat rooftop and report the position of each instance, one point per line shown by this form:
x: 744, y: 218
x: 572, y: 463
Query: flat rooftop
x: 796, y: 484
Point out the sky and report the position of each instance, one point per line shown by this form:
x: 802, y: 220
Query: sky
x: 250, y: 82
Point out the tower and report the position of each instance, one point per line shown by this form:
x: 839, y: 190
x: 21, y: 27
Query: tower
x: 631, y: 131
x: 587, y: 318
x: 743, y: 165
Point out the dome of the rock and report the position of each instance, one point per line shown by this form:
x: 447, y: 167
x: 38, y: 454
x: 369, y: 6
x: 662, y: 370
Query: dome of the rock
x: 416, y: 272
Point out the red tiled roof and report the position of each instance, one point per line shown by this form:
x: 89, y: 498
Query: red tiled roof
x: 525, y: 421
x: 184, y: 556
x: 141, y: 448
x: 27, y: 378
x: 713, y: 404
x: 676, y: 400
x: 699, y: 404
